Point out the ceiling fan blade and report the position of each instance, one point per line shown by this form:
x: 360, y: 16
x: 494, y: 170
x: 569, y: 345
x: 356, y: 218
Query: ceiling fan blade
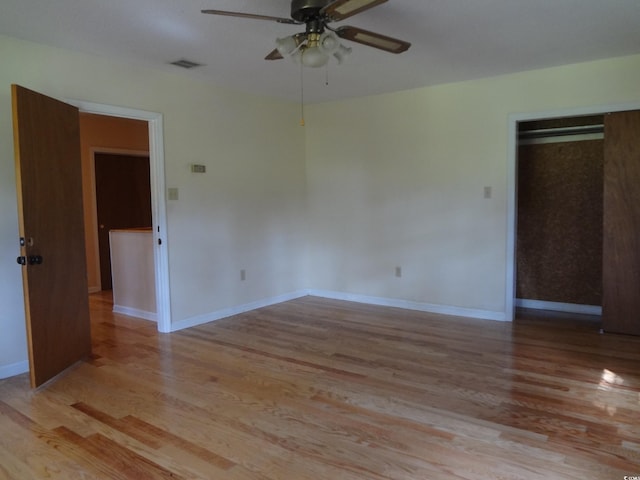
x: 251, y: 15
x: 274, y: 55
x: 341, y: 9
x: 372, y: 39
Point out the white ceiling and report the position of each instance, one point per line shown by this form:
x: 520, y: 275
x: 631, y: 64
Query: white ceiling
x: 452, y: 40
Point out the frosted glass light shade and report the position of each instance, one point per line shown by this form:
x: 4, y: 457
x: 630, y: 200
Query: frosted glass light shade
x: 342, y: 53
x: 329, y: 42
x: 314, y: 57
x: 286, y: 45
x: 313, y: 51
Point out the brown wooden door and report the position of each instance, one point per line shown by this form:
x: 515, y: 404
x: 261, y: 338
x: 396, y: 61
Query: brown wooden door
x: 49, y: 186
x: 123, y: 200
x: 621, y: 249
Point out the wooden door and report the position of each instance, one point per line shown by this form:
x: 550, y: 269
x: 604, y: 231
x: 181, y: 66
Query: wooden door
x: 621, y: 249
x: 49, y: 187
x: 123, y: 200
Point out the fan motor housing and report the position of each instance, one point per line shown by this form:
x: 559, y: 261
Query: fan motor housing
x: 305, y: 10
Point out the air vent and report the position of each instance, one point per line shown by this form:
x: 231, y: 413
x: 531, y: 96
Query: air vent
x: 186, y: 63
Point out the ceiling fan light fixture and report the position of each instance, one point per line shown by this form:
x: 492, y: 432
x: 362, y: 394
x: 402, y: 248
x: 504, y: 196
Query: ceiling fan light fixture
x: 329, y: 42
x: 286, y: 45
x: 342, y: 53
x: 319, y: 42
x: 314, y: 57
x: 313, y: 51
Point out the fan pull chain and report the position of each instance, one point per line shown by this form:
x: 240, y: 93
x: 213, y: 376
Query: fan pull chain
x: 301, y: 96
x: 326, y: 72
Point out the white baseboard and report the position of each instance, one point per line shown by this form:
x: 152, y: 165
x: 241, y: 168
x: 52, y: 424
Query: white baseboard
x: 94, y: 290
x: 409, y: 305
x: 14, y: 369
x: 134, y: 312
x: 22, y: 367
x: 559, y: 306
x: 387, y: 302
x: 229, y: 312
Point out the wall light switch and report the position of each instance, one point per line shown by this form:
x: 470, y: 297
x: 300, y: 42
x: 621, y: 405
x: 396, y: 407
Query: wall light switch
x: 173, y: 194
x: 487, y: 192
x: 398, y: 272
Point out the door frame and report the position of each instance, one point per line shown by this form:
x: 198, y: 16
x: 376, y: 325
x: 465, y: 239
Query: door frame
x: 158, y: 199
x: 512, y: 181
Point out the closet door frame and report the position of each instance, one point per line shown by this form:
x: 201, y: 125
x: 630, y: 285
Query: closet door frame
x: 512, y: 179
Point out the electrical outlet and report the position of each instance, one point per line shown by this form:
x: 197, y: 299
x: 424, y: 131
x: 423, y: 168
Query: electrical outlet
x: 173, y: 194
x: 195, y: 168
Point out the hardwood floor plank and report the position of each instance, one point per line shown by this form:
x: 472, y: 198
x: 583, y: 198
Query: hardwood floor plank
x: 153, y: 436
x: 315, y: 388
x: 13, y: 465
x: 36, y: 452
x: 123, y: 462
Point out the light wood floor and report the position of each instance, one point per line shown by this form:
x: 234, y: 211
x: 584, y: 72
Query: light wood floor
x: 319, y: 389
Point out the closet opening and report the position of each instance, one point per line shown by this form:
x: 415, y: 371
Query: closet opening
x: 559, y: 211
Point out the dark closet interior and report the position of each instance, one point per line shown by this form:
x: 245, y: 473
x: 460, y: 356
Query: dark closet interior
x: 560, y: 210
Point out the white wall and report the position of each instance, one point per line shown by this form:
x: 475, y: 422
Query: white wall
x: 398, y: 180
x: 247, y: 211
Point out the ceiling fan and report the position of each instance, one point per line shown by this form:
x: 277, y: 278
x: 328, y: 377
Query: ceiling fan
x: 320, y: 41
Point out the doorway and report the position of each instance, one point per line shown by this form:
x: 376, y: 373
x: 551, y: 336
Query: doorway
x: 158, y: 205
x: 123, y: 201
x: 103, y: 134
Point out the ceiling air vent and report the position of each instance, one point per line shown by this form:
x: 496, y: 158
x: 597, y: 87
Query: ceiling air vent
x: 186, y: 63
